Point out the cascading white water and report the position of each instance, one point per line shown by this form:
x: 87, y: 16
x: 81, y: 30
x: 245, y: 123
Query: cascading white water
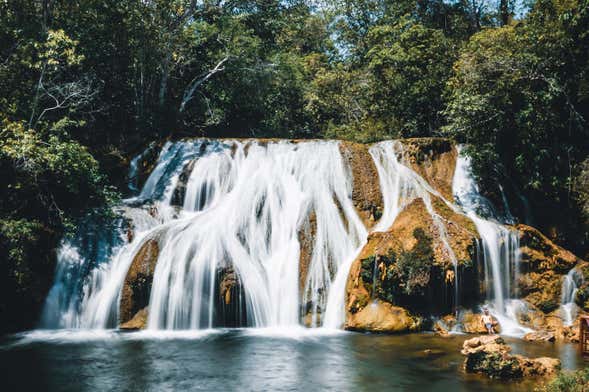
x: 244, y: 206
x: 569, y: 289
x: 499, y: 246
x: 253, y: 209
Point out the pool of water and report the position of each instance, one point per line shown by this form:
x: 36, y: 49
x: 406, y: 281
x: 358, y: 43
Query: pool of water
x: 249, y: 360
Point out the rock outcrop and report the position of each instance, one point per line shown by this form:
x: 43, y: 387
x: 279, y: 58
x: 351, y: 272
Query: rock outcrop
x: 381, y: 316
x: 540, y: 336
x: 139, y: 321
x: 413, y: 264
x: 543, y: 266
x: 230, y: 307
x: 434, y: 159
x: 366, y: 193
x: 473, y: 323
x: 490, y: 355
x: 137, y: 286
x: 542, y: 272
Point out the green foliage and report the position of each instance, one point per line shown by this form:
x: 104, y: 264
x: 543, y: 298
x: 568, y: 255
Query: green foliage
x: 405, y: 273
x: 410, y: 64
x: 568, y: 381
x: 413, y: 268
x: 582, y: 189
x: 519, y: 98
x: 494, y: 365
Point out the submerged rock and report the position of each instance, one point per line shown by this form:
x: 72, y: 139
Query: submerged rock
x: 540, y: 336
x: 490, y: 355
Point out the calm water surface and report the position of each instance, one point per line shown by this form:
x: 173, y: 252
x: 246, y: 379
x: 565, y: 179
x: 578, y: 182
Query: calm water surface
x: 248, y: 360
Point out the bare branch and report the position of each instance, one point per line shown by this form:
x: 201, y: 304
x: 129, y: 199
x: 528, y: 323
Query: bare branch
x: 198, y: 81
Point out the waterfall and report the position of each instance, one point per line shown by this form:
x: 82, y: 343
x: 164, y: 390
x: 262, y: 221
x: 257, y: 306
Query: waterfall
x: 569, y: 289
x: 243, y: 208
x: 234, y: 213
x: 499, y: 247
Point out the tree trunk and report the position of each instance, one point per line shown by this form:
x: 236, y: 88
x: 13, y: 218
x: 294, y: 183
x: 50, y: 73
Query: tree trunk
x: 504, y: 12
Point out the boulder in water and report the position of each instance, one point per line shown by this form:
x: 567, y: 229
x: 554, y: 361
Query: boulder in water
x: 473, y: 323
x: 490, y: 355
x: 540, y: 336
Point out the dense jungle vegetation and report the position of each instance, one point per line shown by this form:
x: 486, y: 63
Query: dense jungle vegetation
x: 87, y: 84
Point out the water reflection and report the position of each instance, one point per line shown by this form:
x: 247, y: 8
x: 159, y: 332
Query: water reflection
x: 247, y: 360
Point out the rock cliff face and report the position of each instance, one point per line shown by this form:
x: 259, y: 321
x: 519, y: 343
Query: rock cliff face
x: 543, y: 266
x: 414, y: 263
x: 542, y: 270
x: 366, y: 192
x: 434, y: 159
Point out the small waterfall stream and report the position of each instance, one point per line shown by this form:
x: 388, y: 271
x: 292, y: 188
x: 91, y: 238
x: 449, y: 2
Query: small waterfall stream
x: 569, y: 289
x: 499, y: 247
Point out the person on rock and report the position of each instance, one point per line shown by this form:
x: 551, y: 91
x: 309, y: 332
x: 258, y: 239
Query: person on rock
x: 488, y: 321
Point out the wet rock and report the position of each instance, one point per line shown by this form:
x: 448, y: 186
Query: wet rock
x: 490, y: 355
x: 138, y: 322
x: 147, y: 163
x: 410, y: 266
x: 582, y: 296
x: 383, y: 317
x: 444, y: 325
x: 137, y: 286
x: 434, y: 159
x: 366, y: 193
x: 543, y: 266
x: 180, y: 190
x: 473, y: 323
x: 542, y: 366
x: 229, y: 308
x: 540, y: 336
x: 306, y: 240
x: 441, y: 329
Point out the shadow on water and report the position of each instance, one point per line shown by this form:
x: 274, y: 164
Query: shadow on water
x: 245, y: 361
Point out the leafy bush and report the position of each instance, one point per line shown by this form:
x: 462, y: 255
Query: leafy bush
x: 567, y: 381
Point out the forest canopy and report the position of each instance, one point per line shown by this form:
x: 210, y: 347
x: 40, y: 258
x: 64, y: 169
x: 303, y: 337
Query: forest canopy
x: 87, y: 84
